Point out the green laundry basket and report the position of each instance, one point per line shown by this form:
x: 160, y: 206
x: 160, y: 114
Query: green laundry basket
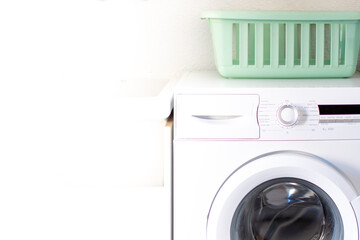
x: 285, y: 44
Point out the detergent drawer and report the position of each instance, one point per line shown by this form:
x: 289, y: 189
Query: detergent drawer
x: 216, y: 116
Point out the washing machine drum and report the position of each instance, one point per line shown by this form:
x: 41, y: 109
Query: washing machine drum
x: 284, y: 209
x: 282, y: 196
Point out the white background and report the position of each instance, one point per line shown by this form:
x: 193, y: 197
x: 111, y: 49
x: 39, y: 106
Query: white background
x: 61, y: 134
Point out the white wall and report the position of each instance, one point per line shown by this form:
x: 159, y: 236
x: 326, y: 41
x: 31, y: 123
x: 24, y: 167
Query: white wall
x: 61, y: 65
x: 112, y: 39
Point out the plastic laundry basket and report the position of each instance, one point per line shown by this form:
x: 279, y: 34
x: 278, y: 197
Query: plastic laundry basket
x: 284, y: 44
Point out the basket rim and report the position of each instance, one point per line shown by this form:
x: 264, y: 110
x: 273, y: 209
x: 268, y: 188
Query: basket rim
x: 282, y: 15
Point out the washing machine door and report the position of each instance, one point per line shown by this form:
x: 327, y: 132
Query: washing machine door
x: 282, y: 196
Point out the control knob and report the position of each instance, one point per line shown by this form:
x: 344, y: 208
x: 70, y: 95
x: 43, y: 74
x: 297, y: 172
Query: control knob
x: 287, y: 115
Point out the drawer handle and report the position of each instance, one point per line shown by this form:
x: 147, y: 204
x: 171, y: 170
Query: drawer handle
x: 217, y: 117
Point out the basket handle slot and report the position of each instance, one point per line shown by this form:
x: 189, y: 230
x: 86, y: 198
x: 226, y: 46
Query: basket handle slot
x: 312, y: 50
x: 235, y: 43
x: 342, y: 42
x: 327, y: 44
x: 251, y: 44
x: 297, y: 44
x: 267, y: 47
x: 282, y: 44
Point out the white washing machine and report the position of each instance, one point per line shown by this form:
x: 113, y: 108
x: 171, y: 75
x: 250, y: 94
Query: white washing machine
x: 266, y: 159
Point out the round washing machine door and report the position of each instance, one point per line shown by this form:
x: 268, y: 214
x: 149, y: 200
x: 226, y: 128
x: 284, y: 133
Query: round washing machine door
x: 285, y: 195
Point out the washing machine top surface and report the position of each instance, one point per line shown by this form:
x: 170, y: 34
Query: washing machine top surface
x: 200, y: 81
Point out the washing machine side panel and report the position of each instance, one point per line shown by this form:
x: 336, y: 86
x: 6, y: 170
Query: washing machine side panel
x: 192, y: 191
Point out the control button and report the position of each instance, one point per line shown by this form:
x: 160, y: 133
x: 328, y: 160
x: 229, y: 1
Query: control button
x: 287, y: 115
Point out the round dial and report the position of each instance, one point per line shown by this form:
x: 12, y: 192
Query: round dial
x: 287, y: 115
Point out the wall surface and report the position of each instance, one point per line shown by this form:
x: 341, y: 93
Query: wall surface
x: 62, y: 136
x: 115, y: 39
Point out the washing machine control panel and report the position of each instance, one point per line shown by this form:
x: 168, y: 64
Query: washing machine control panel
x: 307, y: 119
x: 206, y: 106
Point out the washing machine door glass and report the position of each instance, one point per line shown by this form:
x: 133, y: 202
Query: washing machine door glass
x: 287, y: 208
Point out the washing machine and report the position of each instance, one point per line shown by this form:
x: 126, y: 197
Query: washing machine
x: 266, y: 159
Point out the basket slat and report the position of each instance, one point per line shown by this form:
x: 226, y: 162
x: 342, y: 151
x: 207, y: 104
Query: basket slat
x: 274, y: 43
x: 350, y: 44
x: 305, y: 44
x: 259, y: 43
x: 243, y: 46
x: 335, y: 33
x: 320, y: 44
x: 290, y: 44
